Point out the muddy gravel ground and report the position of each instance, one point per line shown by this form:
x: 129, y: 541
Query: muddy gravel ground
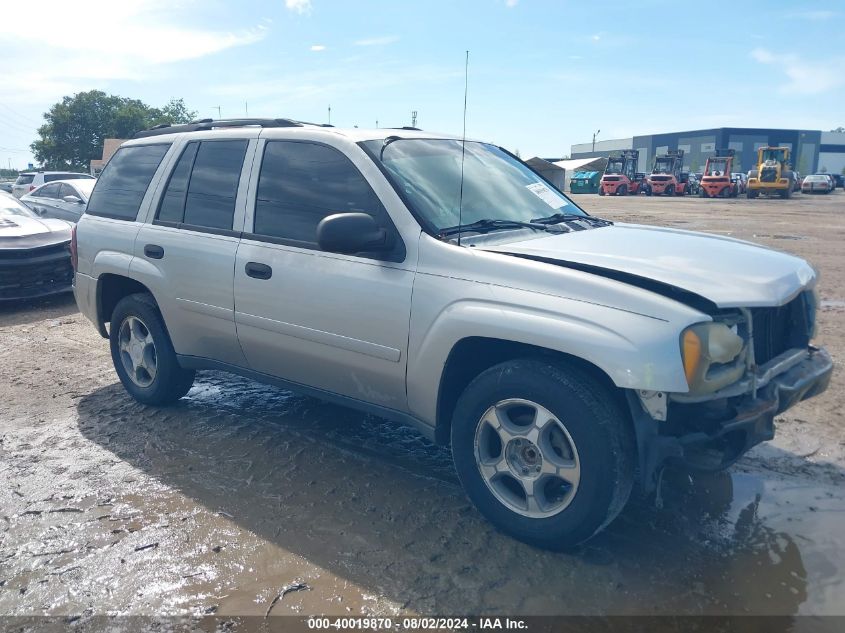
x: 214, y: 505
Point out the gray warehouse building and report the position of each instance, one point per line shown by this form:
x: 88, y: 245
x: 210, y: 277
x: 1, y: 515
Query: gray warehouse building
x: 811, y: 150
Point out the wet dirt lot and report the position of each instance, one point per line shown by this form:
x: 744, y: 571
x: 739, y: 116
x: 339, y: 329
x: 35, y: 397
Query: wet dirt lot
x: 216, y: 504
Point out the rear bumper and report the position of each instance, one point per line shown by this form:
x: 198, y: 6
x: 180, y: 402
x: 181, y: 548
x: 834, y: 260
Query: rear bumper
x: 745, y: 420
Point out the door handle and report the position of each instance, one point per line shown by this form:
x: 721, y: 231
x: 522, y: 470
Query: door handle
x: 258, y: 271
x: 153, y: 251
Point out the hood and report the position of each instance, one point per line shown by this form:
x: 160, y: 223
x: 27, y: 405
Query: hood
x: 726, y: 272
x: 18, y: 231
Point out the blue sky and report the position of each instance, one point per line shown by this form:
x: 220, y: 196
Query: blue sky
x: 542, y: 74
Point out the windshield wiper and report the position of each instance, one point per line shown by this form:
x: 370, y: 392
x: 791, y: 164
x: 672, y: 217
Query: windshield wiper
x: 489, y: 224
x: 567, y: 217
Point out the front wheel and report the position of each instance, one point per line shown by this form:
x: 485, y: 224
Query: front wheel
x: 544, y: 452
x: 143, y: 355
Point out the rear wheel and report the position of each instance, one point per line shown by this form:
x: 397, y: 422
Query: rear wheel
x: 622, y: 190
x: 544, y: 452
x: 670, y: 190
x: 143, y: 355
x: 750, y: 193
x: 601, y: 191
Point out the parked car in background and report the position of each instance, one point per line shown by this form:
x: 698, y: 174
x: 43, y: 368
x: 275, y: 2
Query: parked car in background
x: 839, y: 180
x: 740, y: 181
x: 34, y: 253
x: 817, y: 183
x: 6, y: 187
x: 30, y: 180
x: 62, y: 199
x: 562, y: 356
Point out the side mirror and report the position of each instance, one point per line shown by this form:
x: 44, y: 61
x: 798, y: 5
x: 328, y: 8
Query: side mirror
x: 350, y: 233
x: 72, y: 199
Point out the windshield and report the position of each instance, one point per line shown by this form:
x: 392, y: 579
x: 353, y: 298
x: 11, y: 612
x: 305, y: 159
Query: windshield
x: 775, y: 155
x: 614, y: 166
x: 495, y: 185
x: 663, y: 166
x: 10, y: 207
x: 716, y: 167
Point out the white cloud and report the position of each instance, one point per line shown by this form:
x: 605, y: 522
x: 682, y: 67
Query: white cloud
x: 596, y: 37
x: 318, y: 47
x: 804, y: 77
x: 511, y: 3
x: 72, y: 49
x: 377, y: 41
x: 814, y: 16
x: 299, y: 6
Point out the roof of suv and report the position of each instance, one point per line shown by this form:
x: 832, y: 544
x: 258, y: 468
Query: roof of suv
x: 288, y: 125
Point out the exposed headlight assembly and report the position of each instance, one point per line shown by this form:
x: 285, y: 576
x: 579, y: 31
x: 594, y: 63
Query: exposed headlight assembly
x: 713, y: 355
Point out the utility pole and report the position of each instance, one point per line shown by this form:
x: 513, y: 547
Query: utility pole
x: 595, y: 134
x: 246, y: 109
x: 330, y: 114
x: 376, y: 123
x: 414, y: 118
x: 219, y: 111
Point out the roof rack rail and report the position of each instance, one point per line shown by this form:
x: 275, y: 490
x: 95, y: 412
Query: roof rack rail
x: 210, y: 124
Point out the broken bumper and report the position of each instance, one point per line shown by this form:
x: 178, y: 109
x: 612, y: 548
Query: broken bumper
x: 746, y: 417
x: 755, y: 415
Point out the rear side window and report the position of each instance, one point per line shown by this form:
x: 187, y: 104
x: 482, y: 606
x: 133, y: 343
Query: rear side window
x: 300, y: 184
x: 47, y: 191
x: 204, y: 185
x: 124, y: 181
x: 25, y: 179
x: 68, y: 176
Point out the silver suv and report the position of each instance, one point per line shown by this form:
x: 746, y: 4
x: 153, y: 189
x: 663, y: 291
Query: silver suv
x: 446, y: 285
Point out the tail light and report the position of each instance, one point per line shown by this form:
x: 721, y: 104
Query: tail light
x: 74, y: 255
x: 31, y: 187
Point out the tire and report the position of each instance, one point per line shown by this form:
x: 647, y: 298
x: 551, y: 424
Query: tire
x: 601, y: 191
x: 702, y: 192
x: 670, y: 190
x: 143, y: 355
x: 622, y: 190
x: 648, y: 191
x: 725, y: 193
x: 750, y: 194
x: 597, y: 440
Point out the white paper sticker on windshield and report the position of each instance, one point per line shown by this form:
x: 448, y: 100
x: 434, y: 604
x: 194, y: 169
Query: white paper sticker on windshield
x: 546, y: 195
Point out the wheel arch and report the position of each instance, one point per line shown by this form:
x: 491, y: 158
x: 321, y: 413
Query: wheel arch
x: 111, y: 288
x: 472, y: 355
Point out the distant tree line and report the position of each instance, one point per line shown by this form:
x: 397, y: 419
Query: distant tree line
x: 76, y: 127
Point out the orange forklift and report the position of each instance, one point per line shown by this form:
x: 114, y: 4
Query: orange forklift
x: 717, y: 182
x: 621, y: 176
x: 667, y: 177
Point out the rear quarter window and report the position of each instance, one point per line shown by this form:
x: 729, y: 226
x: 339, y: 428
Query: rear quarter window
x: 25, y: 179
x: 68, y: 176
x: 124, y: 181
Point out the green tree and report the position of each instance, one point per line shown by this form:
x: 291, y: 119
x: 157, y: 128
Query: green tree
x: 76, y: 127
x: 839, y: 129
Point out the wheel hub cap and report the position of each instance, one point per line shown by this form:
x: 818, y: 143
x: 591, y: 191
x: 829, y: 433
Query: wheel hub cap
x: 524, y: 458
x: 137, y: 351
x: 527, y: 458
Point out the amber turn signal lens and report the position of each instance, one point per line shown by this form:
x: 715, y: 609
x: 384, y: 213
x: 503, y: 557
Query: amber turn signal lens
x: 692, y: 354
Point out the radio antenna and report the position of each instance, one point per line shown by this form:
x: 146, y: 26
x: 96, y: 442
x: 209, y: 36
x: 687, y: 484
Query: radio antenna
x: 463, y: 146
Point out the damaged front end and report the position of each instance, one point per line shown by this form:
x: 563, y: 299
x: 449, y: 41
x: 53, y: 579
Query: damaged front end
x: 744, y: 368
